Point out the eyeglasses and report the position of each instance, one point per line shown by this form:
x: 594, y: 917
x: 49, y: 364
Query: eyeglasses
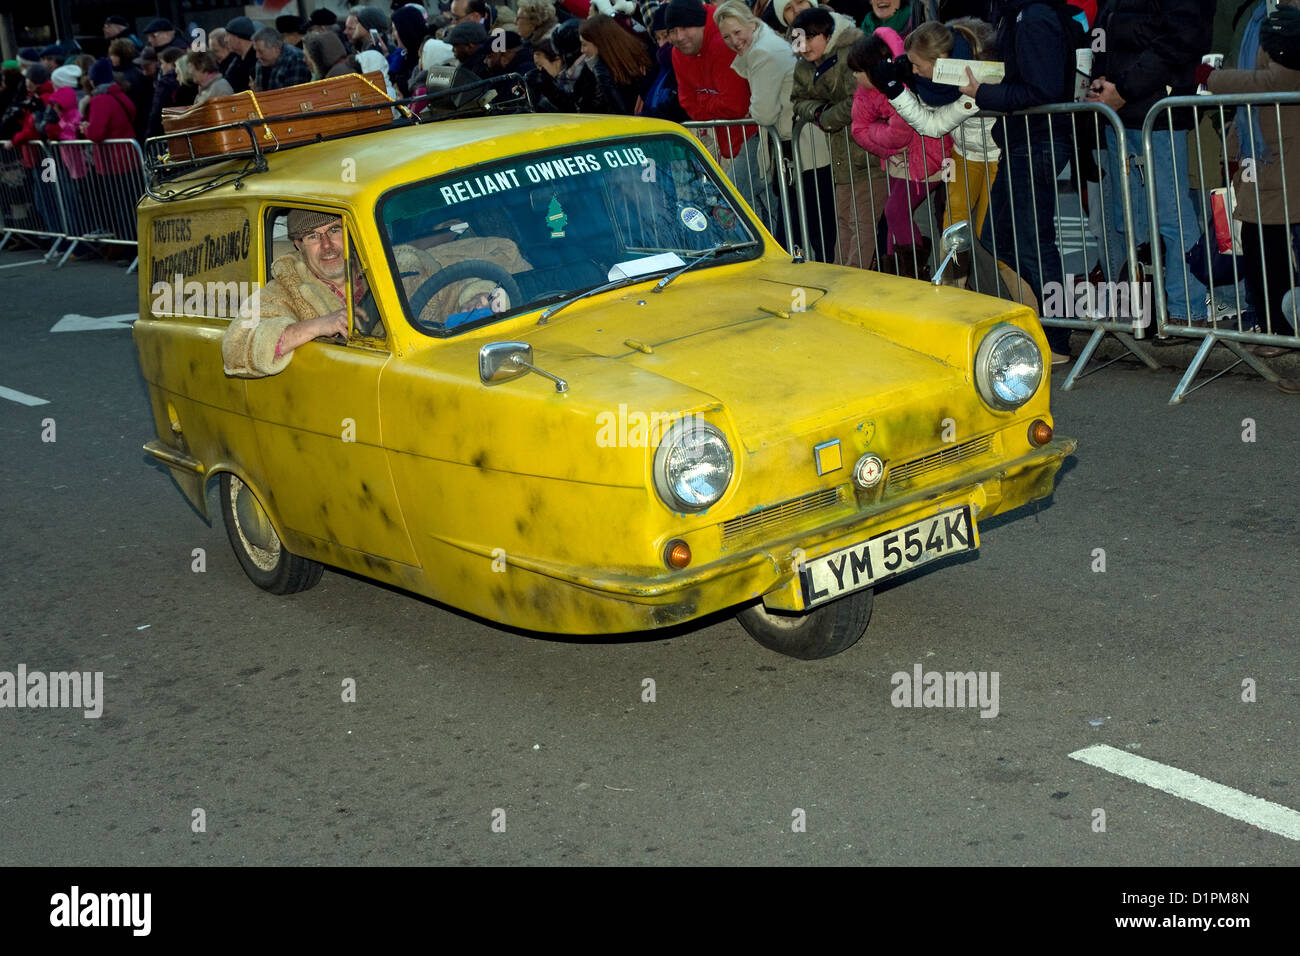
x: 334, y: 232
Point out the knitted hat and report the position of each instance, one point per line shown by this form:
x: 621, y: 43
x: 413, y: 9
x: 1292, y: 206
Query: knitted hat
x: 101, y: 71
x: 66, y: 76
x: 10, y: 65
x: 38, y: 74
x: 408, y: 22
x: 303, y: 221
x: 117, y: 21
x: 372, y: 18
x: 291, y: 24
x: 778, y: 7
x: 323, y: 17
x: 147, y: 55
x: 685, y: 13
x: 241, y: 27
x: 29, y: 54
x: 566, y: 41
x: 161, y: 25
x: 467, y: 32
x: 54, y: 51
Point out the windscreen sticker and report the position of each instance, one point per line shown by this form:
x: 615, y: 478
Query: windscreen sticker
x: 724, y: 217
x: 693, y: 219
x: 549, y: 170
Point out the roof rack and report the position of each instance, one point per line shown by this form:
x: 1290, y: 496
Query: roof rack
x: 500, y: 95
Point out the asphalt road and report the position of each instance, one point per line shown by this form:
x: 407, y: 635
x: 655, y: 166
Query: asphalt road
x: 221, y: 698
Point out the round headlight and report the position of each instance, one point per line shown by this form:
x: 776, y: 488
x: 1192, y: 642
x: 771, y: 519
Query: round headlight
x: 692, y: 465
x: 1008, y: 367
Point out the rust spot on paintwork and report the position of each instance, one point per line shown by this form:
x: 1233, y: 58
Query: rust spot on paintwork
x: 480, y: 459
x: 675, y: 613
x: 375, y: 564
x: 365, y: 489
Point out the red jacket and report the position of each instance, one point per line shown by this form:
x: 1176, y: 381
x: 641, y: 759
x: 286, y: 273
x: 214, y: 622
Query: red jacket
x: 708, y: 88
x: 111, y: 115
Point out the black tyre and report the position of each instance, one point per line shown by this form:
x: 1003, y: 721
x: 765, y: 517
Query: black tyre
x: 259, y: 549
x: 823, y: 632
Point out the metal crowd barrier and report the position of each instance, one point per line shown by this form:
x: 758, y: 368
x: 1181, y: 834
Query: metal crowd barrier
x: 837, y: 220
x: 1110, y: 297
x: 75, y: 190
x: 757, y: 171
x: 1227, y: 311
x: 1082, y: 296
x: 100, y: 184
x: 29, y: 200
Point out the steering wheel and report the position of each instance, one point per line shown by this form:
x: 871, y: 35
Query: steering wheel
x: 459, y: 271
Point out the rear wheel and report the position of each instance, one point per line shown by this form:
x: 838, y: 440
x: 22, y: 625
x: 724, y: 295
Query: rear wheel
x: 822, y: 632
x: 260, y: 552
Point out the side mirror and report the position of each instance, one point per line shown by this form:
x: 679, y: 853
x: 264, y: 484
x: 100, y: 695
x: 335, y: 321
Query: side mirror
x: 502, y: 361
x: 955, y: 239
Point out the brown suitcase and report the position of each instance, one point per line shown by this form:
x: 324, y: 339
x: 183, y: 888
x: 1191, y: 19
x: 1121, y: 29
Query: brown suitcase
x: 298, y: 103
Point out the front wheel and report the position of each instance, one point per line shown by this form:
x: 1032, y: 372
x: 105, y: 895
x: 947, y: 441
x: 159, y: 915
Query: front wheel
x: 258, y: 548
x: 815, y: 634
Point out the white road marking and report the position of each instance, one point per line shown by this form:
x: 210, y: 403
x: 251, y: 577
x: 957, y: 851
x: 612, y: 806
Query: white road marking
x: 22, y: 398
x: 1256, y: 811
x: 88, y: 323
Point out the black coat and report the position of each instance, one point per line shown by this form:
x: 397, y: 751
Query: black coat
x: 596, y: 91
x: 239, y: 71
x: 139, y: 90
x: 1033, y: 47
x: 1150, y: 45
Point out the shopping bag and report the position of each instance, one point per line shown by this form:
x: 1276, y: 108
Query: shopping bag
x: 1227, y: 230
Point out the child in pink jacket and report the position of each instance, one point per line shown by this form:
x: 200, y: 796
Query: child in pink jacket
x: 913, y: 163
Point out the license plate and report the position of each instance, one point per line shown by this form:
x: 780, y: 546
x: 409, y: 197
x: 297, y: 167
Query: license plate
x: 887, y: 555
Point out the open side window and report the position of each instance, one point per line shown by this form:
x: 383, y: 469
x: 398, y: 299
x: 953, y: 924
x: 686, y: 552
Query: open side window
x: 335, y: 269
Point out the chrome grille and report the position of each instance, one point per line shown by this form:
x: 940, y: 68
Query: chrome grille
x: 909, y: 473
x: 768, y: 521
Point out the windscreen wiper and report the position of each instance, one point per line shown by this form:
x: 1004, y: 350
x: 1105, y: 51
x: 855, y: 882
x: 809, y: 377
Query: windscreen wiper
x: 706, y: 254
x: 614, y: 284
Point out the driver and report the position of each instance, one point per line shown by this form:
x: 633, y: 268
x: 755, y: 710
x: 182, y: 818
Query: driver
x: 303, y: 300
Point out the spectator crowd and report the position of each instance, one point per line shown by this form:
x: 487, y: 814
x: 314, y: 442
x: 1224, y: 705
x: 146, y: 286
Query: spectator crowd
x: 884, y: 144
